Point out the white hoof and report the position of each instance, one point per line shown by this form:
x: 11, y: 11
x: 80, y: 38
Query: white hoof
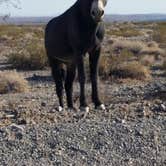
x: 85, y: 109
x: 101, y: 107
x: 60, y: 109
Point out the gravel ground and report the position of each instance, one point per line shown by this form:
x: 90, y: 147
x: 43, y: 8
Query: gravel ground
x: 132, y: 131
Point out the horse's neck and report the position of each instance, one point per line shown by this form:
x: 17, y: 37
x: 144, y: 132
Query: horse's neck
x: 84, y: 20
x: 87, y: 24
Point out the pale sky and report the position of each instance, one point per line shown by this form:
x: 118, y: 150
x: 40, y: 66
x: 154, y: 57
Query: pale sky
x: 54, y: 7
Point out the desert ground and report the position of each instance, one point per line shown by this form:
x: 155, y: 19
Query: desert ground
x: 130, y: 132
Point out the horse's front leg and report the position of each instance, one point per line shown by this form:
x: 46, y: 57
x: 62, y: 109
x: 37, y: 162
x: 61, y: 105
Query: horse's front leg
x: 93, y: 62
x: 82, y: 79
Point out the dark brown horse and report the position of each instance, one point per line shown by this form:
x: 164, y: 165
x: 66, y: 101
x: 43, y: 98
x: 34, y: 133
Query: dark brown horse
x: 68, y: 38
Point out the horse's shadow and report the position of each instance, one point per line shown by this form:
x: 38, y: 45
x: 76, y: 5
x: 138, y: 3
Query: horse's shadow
x: 39, y: 78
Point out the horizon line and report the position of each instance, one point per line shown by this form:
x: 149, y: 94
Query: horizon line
x: 125, y: 14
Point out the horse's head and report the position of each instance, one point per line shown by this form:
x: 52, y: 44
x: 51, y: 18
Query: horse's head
x: 93, y: 8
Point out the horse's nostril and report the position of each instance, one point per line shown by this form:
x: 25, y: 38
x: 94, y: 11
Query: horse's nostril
x: 93, y: 13
x: 102, y: 12
x: 97, y: 13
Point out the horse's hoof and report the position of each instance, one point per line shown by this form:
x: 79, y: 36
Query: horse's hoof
x: 60, y: 109
x: 85, y: 109
x: 101, y: 107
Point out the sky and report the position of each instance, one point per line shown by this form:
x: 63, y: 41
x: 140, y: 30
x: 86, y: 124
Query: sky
x: 54, y: 7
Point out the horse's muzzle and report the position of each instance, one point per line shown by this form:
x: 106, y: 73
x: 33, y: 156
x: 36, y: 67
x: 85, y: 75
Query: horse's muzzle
x: 97, y: 15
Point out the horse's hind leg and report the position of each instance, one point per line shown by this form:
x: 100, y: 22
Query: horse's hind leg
x: 71, y: 71
x: 58, y: 75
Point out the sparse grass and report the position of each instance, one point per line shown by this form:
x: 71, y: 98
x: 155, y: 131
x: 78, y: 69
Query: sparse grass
x: 152, y: 51
x: 12, y: 82
x: 164, y: 65
x: 132, y: 70
x: 27, y: 45
x: 16, y: 32
x: 124, y: 31
x: 159, y: 34
x: 110, y: 63
x: 138, y: 48
x: 135, y: 47
x: 33, y: 56
x: 147, y: 60
x: 104, y: 66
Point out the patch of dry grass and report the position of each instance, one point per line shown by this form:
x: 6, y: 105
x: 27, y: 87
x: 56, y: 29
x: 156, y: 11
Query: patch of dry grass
x: 12, y: 82
x: 152, y: 50
x: 132, y: 70
x: 164, y: 65
x: 33, y: 56
x: 147, y: 60
x: 159, y: 34
x: 125, y: 31
x: 15, y: 32
x: 109, y: 63
x: 133, y: 46
x: 138, y: 48
x: 104, y: 66
x: 27, y: 46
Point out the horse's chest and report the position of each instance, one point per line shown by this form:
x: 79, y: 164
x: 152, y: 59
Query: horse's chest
x: 88, y: 41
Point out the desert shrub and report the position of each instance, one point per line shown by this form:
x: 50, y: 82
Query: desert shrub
x: 152, y: 50
x: 137, y: 47
x: 16, y: 32
x: 132, y: 70
x: 33, y: 56
x: 159, y: 34
x: 12, y: 82
x: 147, y: 60
x: 153, y: 44
x: 109, y: 63
x: 164, y: 65
x: 124, y: 31
x: 133, y: 46
x: 104, y: 66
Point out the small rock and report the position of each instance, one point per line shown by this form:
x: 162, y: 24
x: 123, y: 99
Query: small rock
x: 163, y: 107
x: 138, y: 133
x: 43, y: 104
x: 15, y: 127
x: 10, y: 116
x: 22, y: 122
x: 52, y: 111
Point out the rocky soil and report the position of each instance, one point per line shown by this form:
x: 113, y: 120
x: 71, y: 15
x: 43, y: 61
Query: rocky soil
x: 132, y: 131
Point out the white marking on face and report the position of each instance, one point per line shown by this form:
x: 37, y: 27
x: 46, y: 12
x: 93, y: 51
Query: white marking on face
x: 97, y: 9
x: 100, y: 4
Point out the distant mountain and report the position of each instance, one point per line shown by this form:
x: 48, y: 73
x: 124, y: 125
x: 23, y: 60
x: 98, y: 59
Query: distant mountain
x: 135, y: 17
x: 25, y: 20
x: 108, y: 18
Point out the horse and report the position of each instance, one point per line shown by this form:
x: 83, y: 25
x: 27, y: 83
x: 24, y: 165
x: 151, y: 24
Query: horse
x: 68, y: 37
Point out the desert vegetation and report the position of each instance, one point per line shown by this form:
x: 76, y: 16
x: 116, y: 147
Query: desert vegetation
x: 159, y: 34
x: 132, y: 73
x: 26, y: 46
x: 12, y: 82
